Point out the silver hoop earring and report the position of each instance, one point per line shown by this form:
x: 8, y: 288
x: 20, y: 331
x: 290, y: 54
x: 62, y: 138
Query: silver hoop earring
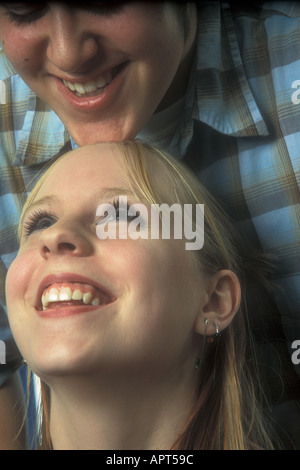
x: 208, y: 340
x: 217, y: 334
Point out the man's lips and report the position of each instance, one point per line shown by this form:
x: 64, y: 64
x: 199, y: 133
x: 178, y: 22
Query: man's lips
x: 70, y: 290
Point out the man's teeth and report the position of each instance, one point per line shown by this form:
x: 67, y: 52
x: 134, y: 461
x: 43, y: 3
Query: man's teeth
x: 90, y: 87
x: 65, y: 294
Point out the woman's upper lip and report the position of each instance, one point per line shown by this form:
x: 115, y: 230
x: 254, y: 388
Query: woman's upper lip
x: 60, y: 278
x: 86, y: 78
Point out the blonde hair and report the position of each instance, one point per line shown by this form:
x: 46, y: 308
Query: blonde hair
x: 226, y: 413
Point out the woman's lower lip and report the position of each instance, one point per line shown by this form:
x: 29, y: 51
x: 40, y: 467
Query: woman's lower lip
x: 65, y: 311
x: 94, y: 102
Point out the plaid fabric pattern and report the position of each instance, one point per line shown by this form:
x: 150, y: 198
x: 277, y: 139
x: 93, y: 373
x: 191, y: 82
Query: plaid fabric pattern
x: 240, y: 132
x: 246, y: 132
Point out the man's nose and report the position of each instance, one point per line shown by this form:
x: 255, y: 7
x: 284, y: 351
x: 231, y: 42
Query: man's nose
x: 71, y: 46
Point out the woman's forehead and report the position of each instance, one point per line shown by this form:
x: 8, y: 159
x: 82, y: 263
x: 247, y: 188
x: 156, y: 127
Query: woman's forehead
x: 85, y: 168
x: 89, y: 160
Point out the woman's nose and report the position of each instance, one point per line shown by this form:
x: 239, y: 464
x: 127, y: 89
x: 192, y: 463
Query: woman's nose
x: 64, y: 238
x: 70, y: 44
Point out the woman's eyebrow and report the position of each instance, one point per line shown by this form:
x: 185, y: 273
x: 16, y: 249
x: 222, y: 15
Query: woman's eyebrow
x: 115, y: 191
x: 47, y: 200
x: 102, y: 193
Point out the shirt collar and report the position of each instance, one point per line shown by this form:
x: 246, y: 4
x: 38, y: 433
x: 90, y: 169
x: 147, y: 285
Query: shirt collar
x: 218, y: 92
x: 6, y: 68
x: 223, y: 98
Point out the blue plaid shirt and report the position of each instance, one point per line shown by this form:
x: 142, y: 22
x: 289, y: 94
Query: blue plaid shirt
x: 239, y: 131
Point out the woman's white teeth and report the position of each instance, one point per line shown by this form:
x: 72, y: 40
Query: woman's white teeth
x: 65, y: 294
x: 87, y: 297
x: 90, y: 87
x: 77, y: 295
x: 79, y: 88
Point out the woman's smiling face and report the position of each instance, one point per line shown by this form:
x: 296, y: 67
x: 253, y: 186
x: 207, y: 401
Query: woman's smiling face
x: 104, y: 69
x: 141, y: 297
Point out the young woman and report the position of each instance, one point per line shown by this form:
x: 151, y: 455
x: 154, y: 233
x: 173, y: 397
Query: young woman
x: 104, y: 68
x: 139, y: 343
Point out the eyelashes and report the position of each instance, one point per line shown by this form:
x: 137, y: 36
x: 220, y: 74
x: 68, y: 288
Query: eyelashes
x: 30, y: 12
x: 41, y: 219
x: 25, y: 14
x: 118, y: 211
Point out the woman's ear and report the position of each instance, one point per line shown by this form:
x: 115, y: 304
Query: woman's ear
x: 221, y: 304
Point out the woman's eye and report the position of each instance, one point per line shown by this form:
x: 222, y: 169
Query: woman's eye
x: 28, y: 12
x: 37, y: 222
x: 119, y: 214
x: 123, y: 214
x: 22, y: 13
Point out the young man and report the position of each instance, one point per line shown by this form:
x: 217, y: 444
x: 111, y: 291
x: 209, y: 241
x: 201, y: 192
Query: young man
x: 215, y: 85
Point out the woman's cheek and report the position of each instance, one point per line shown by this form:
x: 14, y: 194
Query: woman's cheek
x: 20, y: 50
x: 17, y: 280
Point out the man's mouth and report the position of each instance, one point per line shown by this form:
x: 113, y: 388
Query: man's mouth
x: 93, y: 87
x: 60, y: 295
